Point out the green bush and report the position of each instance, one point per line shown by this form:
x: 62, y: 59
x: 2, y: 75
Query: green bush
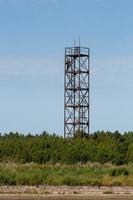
x: 7, y: 177
x: 121, y: 171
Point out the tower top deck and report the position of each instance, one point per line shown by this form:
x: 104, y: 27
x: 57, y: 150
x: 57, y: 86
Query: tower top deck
x: 77, y: 51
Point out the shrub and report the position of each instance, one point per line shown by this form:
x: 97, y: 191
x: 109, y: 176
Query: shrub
x: 7, y: 177
x: 118, y: 172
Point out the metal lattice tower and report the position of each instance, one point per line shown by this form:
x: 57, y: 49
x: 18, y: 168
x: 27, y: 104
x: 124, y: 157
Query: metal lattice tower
x: 76, y: 90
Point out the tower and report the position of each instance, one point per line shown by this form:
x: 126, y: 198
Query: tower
x: 76, y: 90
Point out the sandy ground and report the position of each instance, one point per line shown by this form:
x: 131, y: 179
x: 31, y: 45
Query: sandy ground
x: 65, y: 193
x: 64, y: 197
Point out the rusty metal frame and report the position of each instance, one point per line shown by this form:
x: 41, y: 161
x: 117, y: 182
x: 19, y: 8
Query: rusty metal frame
x: 76, y: 90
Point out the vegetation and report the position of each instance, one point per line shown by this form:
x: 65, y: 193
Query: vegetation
x: 103, y: 158
x: 102, y: 147
x: 46, y: 174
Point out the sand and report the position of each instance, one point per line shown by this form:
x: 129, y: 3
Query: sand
x: 64, y: 197
x: 65, y: 193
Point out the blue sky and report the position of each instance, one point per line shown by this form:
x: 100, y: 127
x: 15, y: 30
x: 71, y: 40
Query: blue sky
x: 33, y: 35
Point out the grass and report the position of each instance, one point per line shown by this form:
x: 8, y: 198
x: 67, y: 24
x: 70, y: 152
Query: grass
x: 92, y: 174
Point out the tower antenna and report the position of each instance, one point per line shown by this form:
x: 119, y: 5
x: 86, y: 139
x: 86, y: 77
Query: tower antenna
x: 79, y: 41
x: 74, y: 42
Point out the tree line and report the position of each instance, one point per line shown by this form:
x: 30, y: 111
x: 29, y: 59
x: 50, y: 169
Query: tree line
x: 102, y: 147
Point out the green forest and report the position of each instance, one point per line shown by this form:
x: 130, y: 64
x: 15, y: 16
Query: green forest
x: 102, y: 158
x: 102, y: 147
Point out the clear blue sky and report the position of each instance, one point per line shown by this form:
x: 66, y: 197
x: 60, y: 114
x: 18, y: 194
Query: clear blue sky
x: 33, y: 35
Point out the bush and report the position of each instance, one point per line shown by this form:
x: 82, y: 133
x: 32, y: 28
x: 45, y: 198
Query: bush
x: 116, y: 183
x: 7, y: 177
x: 121, y: 171
x: 70, y: 180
